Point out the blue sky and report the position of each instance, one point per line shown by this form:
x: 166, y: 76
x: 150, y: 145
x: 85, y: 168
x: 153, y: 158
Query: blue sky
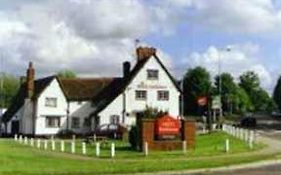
x: 94, y: 37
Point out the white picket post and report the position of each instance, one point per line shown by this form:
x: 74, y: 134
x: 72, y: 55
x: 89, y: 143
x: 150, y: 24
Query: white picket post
x: 62, y: 146
x: 84, y: 149
x: 145, y: 148
x: 32, y: 142
x: 227, y: 145
x: 45, y: 144
x: 72, y: 147
x: 112, y: 150
x: 25, y: 140
x: 16, y: 137
x: 97, y: 149
x: 38, y: 143
x: 184, y: 147
x: 53, y: 145
x: 20, y: 138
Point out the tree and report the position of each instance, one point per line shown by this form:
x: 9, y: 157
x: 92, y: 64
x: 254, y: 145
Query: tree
x: 228, y: 90
x: 10, y: 87
x: 196, y: 83
x: 260, y: 99
x: 242, y: 101
x: 277, y: 93
x: 66, y: 74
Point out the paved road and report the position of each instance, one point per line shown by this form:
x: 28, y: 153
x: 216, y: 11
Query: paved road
x: 267, y: 170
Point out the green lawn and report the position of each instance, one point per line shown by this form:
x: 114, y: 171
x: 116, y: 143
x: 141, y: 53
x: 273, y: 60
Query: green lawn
x: 19, y: 159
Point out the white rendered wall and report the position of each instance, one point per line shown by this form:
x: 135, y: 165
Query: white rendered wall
x: 82, y: 111
x: 53, y: 90
x: 151, y: 86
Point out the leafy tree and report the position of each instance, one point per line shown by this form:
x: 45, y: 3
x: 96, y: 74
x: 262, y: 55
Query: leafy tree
x: 277, y: 93
x: 66, y: 74
x: 242, y: 102
x: 10, y: 88
x: 260, y: 99
x: 196, y: 83
x: 228, y: 90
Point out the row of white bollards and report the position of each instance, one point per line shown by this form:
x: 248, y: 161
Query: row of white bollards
x: 146, y: 148
x: 39, y: 143
x: 244, y: 134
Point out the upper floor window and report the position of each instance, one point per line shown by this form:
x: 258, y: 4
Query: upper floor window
x: 163, y: 95
x: 152, y: 74
x: 114, y: 119
x: 51, y: 102
x: 140, y: 95
x: 52, y: 122
x: 75, y: 122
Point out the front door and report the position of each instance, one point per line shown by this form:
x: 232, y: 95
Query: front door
x: 15, y: 127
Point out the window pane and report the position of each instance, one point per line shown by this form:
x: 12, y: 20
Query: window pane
x: 75, y: 122
x: 51, y: 102
x: 52, y: 122
x: 163, y: 95
x: 152, y: 74
x: 140, y: 95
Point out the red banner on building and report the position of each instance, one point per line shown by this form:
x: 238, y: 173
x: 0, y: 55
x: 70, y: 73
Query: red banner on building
x: 167, y: 125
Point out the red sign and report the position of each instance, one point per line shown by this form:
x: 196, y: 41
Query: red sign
x: 167, y: 125
x: 202, y: 101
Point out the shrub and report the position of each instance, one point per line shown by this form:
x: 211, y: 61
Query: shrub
x: 66, y: 133
x: 134, y: 138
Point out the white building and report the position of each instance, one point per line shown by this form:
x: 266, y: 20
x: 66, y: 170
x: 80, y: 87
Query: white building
x: 48, y: 105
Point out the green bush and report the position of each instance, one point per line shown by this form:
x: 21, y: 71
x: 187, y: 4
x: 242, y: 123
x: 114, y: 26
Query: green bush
x: 134, y: 138
x: 65, y: 134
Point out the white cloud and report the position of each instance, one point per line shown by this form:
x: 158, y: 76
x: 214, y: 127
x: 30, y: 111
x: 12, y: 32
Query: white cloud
x: 239, y: 59
x: 240, y: 16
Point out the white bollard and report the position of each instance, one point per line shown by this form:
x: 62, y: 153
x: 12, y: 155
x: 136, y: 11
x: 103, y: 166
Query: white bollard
x: 16, y: 137
x: 227, y: 145
x: 97, y: 149
x: 251, y: 145
x: 145, y: 148
x: 53, y: 145
x: 20, y: 138
x: 112, y: 150
x: 184, y: 147
x: 72, y: 147
x: 84, y: 150
x: 38, y: 143
x: 32, y: 142
x: 25, y: 140
x: 45, y: 144
x: 62, y: 146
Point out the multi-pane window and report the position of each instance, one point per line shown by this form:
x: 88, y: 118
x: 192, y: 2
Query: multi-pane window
x: 163, y: 95
x: 87, y: 122
x: 75, y: 122
x: 52, y: 122
x: 152, y: 74
x: 50, y: 102
x: 140, y: 95
x: 114, y: 119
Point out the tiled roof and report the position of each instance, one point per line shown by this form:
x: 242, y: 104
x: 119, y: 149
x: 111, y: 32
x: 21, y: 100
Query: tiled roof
x: 80, y: 89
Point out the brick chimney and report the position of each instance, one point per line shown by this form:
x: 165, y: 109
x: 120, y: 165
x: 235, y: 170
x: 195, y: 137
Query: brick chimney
x: 30, y: 80
x: 145, y: 52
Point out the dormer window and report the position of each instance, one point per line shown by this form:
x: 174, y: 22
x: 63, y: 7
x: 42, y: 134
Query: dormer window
x: 152, y: 74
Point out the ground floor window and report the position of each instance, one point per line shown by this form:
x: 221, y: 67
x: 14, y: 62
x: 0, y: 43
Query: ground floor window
x: 87, y: 122
x: 75, y: 122
x: 114, y: 119
x: 53, y: 121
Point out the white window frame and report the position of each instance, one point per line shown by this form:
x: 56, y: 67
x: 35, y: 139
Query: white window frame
x: 53, y: 124
x: 163, y: 95
x: 51, y: 102
x: 75, y: 125
x: 152, y: 74
x: 141, y: 95
x: 114, y: 119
